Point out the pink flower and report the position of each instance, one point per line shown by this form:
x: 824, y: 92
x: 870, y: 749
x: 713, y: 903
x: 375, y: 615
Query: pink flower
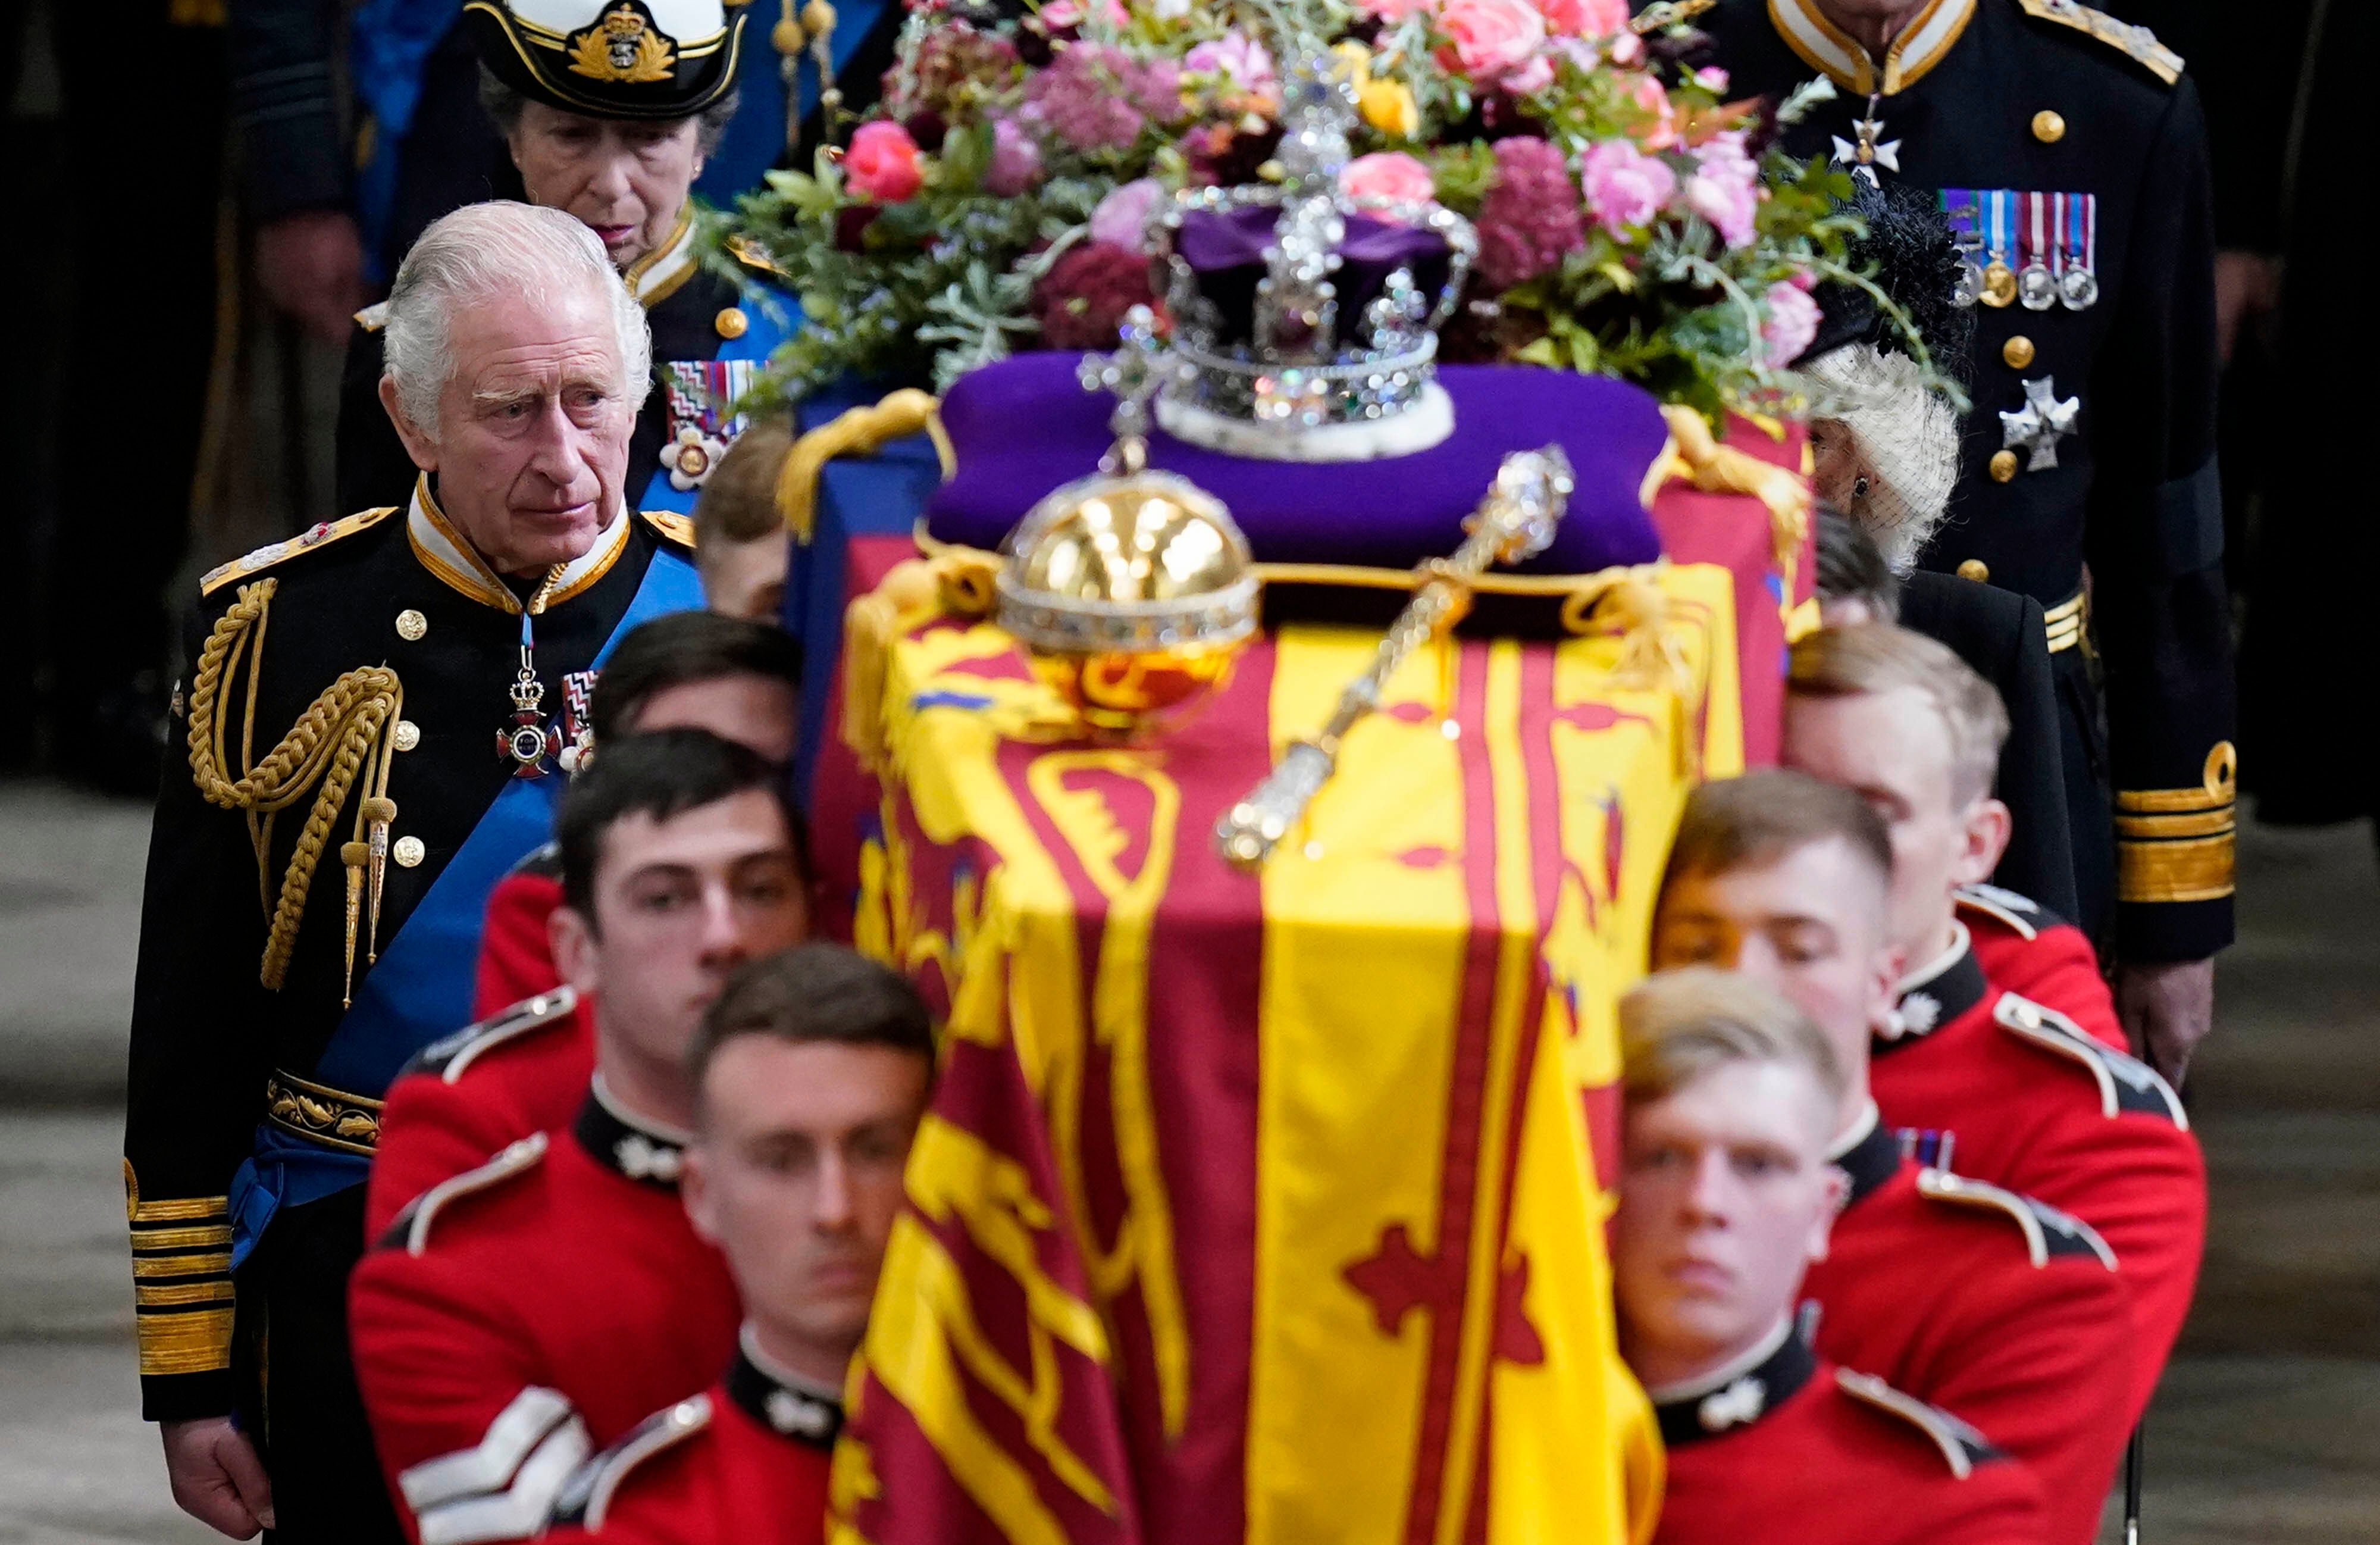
x: 1792, y: 325
x: 1068, y: 13
x: 1531, y: 78
x: 1235, y: 56
x: 1015, y: 160
x: 1099, y: 98
x: 1662, y: 132
x: 1490, y: 38
x: 1585, y: 19
x: 1530, y: 216
x: 1725, y: 186
x: 1627, y: 49
x: 882, y: 165
x: 1121, y: 218
x: 1393, y: 10
x: 1710, y: 77
x: 1625, y: 188
x: 1390, y: 174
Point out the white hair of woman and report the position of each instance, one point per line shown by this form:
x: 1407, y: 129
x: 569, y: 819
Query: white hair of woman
x: 1887, y: 448
x: 498, y: 250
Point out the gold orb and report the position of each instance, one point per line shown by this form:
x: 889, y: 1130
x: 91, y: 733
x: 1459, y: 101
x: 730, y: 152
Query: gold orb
x: 1131, y: 595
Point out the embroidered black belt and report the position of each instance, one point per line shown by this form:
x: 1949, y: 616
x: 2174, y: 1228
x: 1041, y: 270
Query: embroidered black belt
x: 347, y: 1123
x: 2066, y: 620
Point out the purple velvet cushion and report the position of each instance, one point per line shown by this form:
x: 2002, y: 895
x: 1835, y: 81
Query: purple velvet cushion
x: 1024, y: 426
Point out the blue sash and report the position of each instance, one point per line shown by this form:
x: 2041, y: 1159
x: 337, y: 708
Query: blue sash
x: 420, y: 988
x: 771, y: 317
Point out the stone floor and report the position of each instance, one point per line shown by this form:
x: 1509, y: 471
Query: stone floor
x: 2267, y: 1431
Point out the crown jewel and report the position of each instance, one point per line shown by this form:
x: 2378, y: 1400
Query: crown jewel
x: 1305, y: 319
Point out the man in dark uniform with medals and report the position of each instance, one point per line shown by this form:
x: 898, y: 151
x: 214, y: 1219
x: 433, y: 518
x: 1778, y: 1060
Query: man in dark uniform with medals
x: 371, y: 733
x: 609, y: 110
x: 2070, y: 160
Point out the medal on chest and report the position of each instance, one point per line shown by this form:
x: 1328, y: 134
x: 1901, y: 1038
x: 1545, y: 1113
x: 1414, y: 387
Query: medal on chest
x: 700, y: 395
x: 527, y: 742
x: 2040, y: 251
x: 1870, y: 150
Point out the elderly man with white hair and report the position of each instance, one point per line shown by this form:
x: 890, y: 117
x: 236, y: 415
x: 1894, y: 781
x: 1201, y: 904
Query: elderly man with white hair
x: 372, y: 731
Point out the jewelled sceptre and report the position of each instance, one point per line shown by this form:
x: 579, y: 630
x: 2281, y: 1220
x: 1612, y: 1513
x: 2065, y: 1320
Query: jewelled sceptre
x: 1515, y: 521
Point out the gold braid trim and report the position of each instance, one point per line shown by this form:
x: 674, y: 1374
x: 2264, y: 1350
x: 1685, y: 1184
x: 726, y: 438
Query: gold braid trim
x: 342, y: 731
x: 859, y: 431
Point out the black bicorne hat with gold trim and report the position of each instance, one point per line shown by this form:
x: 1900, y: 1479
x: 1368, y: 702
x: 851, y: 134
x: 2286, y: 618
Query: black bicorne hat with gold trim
x: 611, y: 59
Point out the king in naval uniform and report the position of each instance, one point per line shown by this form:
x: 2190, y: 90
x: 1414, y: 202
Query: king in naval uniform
x: 609, y: 108
x: 2070, y: 157
x: 373, y: 732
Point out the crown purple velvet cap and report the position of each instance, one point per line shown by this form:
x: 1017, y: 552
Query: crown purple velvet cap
x: 1226, y: 249
x: 1024, y: 426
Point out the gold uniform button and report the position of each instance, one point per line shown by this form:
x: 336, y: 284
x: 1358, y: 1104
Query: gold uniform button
x: 2003, y: 466
x: 1975, y: 569
x: 2017, y: 352
x: 411, y: 625
x: 408, y: 735
x: 731, y: 322
x: 2048, y: 128
x: 408, y: 851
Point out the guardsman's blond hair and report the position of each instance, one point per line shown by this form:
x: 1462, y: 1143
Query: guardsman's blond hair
x: 1879, y: 657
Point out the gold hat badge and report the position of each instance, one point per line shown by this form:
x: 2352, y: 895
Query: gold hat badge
x: 622, y: 45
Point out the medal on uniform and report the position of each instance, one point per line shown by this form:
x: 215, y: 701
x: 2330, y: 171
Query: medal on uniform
x: 1999, y: 226
x: 2036, y: 287
x: 1958, y: 211
x: 2039, y: 425
x: 527, y: 741
x: 1871, y: 150
x: 700, y: 394
x: 2078, y: 284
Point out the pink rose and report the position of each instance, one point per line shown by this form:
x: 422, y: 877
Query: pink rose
x: 1015, y: 160
x: 1389, y: 175
x: 882, y: 165
x: 1068, y: 13
x: 1710, y: 77
x: 1393, y: 11
x: 1487, y: 37
x: 1121, y: 218
x: 1585, y: 19
x: 1624, y: 187
x: 1725, y: 186
x: 1792, y: 325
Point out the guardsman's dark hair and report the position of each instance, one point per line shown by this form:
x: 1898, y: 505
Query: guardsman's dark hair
x: 815, y: 991
x: 1851, y: 567
x: 1759, y: 817
x: 663, y: 775
x: 680, y: 648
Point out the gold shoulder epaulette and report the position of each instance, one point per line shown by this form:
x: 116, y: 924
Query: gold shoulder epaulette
x: 374, y: 317
x: 2137, y: 43
x: 672, y: 526
x: 2126, y: 1083
x: 412, y: 1226
x: 272, y: 553
x: 2047, y: 1232
x: 587, y: 1497
x: 450, y: 1057
x: 1962, y: 1447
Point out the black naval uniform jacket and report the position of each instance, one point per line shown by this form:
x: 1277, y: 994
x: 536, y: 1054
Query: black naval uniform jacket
x: 2049, y: 96
x: 693, y: 312
x: 243, y: 1099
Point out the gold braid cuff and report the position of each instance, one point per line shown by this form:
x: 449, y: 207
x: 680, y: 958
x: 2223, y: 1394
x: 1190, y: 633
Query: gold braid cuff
x: 858, y: 431
x: 344, y: 733
x: 2179, y: 843
x: 181, y: 1276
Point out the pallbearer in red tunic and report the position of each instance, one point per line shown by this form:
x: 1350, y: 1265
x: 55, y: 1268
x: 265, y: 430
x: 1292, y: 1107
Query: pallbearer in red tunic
x: 1726, y: 1196
x: 523, y: 1068
x: 811, y: 1072
x: 1972, y: 1297
x: 2001, y: 1059
x: 521, y: 1315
